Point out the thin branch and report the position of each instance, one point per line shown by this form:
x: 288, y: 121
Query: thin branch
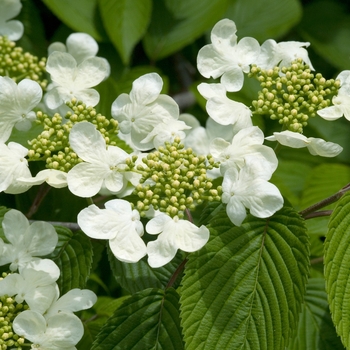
x: 71, y: 225
x: 42, y: 192
x: 318, y: 214
x: 333, y: 198
x: 176, y: 274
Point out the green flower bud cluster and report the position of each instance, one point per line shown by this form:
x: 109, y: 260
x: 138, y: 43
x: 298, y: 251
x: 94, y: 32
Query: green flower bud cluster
x: 9, y: 309
x: 175, y: 179
x: 19, y: 65
x: 292, y: 94
x: 52, y: 144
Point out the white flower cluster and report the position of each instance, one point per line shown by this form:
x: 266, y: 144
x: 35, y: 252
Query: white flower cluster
x: 49, y: 323
x: 147, y: 119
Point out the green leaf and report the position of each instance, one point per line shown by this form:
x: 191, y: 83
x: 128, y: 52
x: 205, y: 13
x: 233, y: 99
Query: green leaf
x: 3, y: 211
x: 73, y: 255
x: 139, y: 276
x: 337, y: 267
x: 315, y: 327
x: 146, y: 320
x: 290, y: 178
x: 264, y: 19
x: 331, y: 44
x: 80, y: 15
x: 126, y: 22
x: 244, y: 289
x: 323, y: 181
x: 102, y: 310
x: 177, y: 23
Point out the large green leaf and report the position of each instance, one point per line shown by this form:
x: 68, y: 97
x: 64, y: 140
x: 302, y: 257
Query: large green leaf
x: 337, y: 268
x: 333, y: 43
x: 244, y: 289
x: 323, y: 181
x: 315, y: 327
x: 264, y: 19
x: 73, y: 255
x: 80, y: 15
x: 146, y: 320
x: 177, y: 23
x: 126, y: 22
x: 139, y: 276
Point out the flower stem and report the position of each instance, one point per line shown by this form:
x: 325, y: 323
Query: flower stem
x: 176, y: 274
x: 333, y: 198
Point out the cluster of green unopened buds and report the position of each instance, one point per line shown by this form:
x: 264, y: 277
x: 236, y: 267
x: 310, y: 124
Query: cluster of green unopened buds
x: 52, y: 144
x: 175, y: 179
x: 17, y: 64
x: 9, y: 309
x: 293, y: 96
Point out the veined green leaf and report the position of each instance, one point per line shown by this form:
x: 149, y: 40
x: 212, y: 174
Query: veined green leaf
x: 126, y: 22
x: 315, y: 327
x: 337, y: 267
x: 139, y: 276
x: 73, y: 255
x: 244, y: 289
x: 322, y: 181
x: 146, y: 320
x: 331, y: 44
x: 264, y: 19
x: 177, y: 23
x: 80, y: 15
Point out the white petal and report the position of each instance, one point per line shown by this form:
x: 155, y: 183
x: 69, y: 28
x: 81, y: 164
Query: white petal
x: 61, y: 66
x: 81, y: 46
x: 146, y: 89
x: 15, y: 224
x: 30, y: 324
x: 223, y: 35
x: 40, y: 239
x: 322, y: 148
x: 156, y: 225
x: 88, y: 142
x: 85, y: 179
x: 91, y: 72
x: 289, y: 138
x: 161, y: 251
x: 330, y: 113
x: 233, y: 79
x: 98, y: 223
x: 189, y: 237
x: 73, y: 301
x: 128, y: 246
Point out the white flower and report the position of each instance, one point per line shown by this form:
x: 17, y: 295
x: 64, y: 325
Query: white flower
x: 222, y: 109
x: 141, y: 111
x: 244, y: 188
x: 282, y: 54
x: 80, y: 45
x: 35, y: 284
x: 102, y: 165
x: 16, y: 105
x: 341, y: 102
x: 12, y: 29
x: 314, y: 145
x: 13, y: 165
x: 25, y: 241
x: 166, y: 132
x: 74, y: 80
x: 74, y: 300
x: 174, y: 234
x: 54, y: 178
x: 246, y: 144
x: 224, y: 56
x: 119, y: 224
x: 60, y: 332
